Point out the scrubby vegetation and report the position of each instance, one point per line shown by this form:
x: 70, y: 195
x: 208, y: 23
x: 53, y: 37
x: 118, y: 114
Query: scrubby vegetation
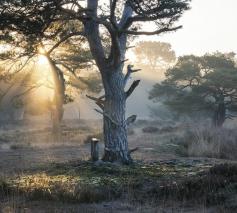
x: 72, y: 140
x: 201, y: 141
x: 84, y: 182
x: 149, y: 181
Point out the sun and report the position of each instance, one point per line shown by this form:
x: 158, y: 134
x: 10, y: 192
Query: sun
x: 42, y: 60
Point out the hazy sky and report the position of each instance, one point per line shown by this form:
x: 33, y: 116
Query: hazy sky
x: 209, y: 26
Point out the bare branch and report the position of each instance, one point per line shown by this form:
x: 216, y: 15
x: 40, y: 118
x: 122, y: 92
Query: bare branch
x: 132, y: 87
x: 108, y: 116
x: 129, y: 72
x: 156, y: 32
x: 130, y: 47
x: 98, y: 101
x: 123, y: 61
x: 131, y: 119
x: 64, y: 39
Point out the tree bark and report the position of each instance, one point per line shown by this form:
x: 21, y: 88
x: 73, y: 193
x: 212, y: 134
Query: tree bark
x: 111, y: 67
x: 220, y: 115
x: 115, y: 127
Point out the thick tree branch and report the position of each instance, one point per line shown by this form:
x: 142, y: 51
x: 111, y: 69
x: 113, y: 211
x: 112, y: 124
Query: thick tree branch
x: 156, y: 32
x: 127, y: 13
x: 64, y: 39
x: 93, y: 35
x: 129, y: 72
x: 131, y: 119
x: 113, y: 4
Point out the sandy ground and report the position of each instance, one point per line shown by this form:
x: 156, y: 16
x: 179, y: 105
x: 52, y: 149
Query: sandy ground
x: 30, y: 147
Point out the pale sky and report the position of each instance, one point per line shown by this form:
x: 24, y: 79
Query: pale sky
x: 211, y: 25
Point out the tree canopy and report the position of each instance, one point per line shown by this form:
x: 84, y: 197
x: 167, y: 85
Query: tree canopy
x: 206, y: 83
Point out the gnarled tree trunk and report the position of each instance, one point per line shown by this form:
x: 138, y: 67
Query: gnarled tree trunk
x: 115, y: 127
x: 113, y: 104
x: 113, y: 108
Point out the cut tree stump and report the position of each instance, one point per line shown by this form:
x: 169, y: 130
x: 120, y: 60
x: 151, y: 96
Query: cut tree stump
x: 94, y: 149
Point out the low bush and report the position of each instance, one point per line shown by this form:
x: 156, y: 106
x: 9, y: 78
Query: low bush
x: 212, y: 188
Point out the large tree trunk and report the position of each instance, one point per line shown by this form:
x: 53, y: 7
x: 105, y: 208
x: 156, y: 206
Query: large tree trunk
x: 220, y: 115
x: 113, y: 107
x: 115, y: 127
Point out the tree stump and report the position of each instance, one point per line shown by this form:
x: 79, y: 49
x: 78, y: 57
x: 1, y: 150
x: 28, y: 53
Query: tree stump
x: 94, y: 149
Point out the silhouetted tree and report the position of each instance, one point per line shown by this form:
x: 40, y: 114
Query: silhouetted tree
x: 206, y: 84
x: 43, y: 28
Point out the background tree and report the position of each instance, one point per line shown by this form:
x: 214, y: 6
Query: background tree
x: 206, y: 84
x: 157, y: 55
x: 54, y: 37
x: 106, y: 18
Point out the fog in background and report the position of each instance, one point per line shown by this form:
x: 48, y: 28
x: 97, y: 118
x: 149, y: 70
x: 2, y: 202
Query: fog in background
x: 215, y: 24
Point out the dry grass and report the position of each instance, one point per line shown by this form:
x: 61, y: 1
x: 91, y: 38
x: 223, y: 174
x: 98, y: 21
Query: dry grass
x: 202, y: 141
